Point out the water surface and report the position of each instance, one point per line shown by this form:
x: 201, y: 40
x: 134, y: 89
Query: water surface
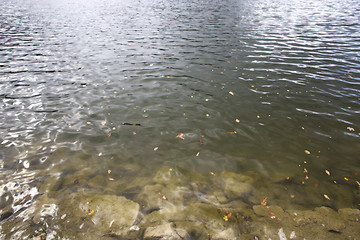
x: 264, y: 87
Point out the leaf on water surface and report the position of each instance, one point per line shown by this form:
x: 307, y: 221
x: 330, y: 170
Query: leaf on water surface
x: 346, y: 178
x: 109, y: 134
x: 212, y: 173
x: 307, y: 152
x: 264, y: 201
x: 237, y: 120
x: 180, y: 135
x: 326, y: 196
x: 111, y: 179
x: 226, y: 218
x: 316, y: 185
x: 292, y: 195
x: 134, y: 133
x: 145, y: 116
x: 76, y: 181
x: 198, y: 154
x: 306, y: 177
x: 156, y: 148
x: 103, y: 123
x: 231, y: 133
x: 108, y: 171
x: 231, y: 93
x: 88, y: 123
x: 305, y: 170
x: 327, y: 172
x: 201, y: 141
x: 350, y: 129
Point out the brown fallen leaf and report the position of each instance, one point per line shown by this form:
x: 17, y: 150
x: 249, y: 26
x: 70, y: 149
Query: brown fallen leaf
x: 163, y: 196
x: 273, y: 216
x: 264, y: 201
x: 156, y: 148
x: 234, y: 132
x: 111, y: 179
x: 231, y: 93
x: 326, y: 196
x: 111, y: 223
x: 180, y: 135
x: 327, y: 172
x: 212, y: 173
x: 292, y: 195
x: 307, y: 152
x: 108, y: 171
x: 109, y: 134
x: 103, y: 123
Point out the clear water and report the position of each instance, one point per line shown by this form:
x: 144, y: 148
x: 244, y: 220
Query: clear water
x: 254, y: 86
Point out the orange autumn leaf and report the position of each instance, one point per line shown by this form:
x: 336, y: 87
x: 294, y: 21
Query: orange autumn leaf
x: 234, y: 132
x: 163, y: 196
x: 264, y: 202
x: 180, y: 135
x: 229, y: 215
x: 109, y: 134
x: 212, y: 173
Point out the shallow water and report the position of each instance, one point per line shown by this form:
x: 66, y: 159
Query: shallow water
x: 267, y: 89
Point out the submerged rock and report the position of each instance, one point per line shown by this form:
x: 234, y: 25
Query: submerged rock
x: 236, y: 185
x: 166, y: 231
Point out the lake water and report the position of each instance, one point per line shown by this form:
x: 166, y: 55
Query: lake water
x: 267, y: 89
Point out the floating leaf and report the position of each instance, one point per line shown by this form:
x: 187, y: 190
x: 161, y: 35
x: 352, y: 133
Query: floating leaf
x: 156, y: 148
x: 231, y: 93
x: 108, y: 171
x: 326, y: 196
x: 327, y: 172
x: 307, y: 152
x: 292, y: 195
x: 346, y: 178
x: 180, y: 135
x: 201, y: 141
x: 109, y: 134
x: 103, y: 123
x: 88, y: 123
x: 198, y: 154
x: 237, y: 120
x: 231, y: 133
x: 111, y: 179
x: 134, y: 133
x: 350, y: 129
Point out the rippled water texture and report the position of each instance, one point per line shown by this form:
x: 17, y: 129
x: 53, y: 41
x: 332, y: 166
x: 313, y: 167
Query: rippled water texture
x: 270, y: 88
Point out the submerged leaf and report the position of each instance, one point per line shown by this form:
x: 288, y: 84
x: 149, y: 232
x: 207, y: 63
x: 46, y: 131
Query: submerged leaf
x: 326, y: 196
x: 264, y: 202
x: 212, y: 173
